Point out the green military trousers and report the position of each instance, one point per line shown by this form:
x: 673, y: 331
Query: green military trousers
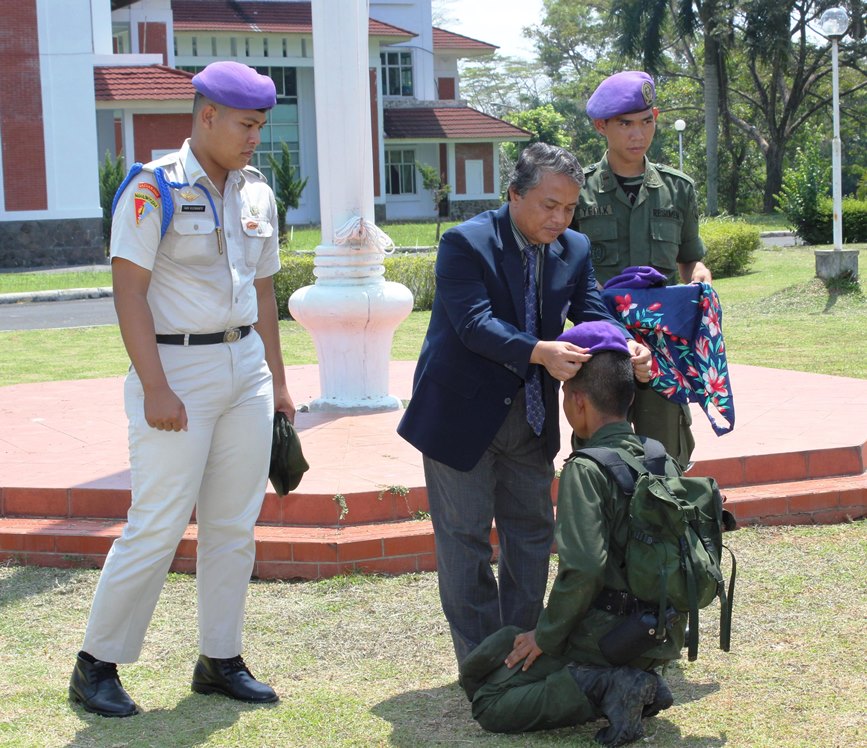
x: 544, y: 697
x: 659, y: 418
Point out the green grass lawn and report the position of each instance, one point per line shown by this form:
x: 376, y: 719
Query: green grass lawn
x: 367, y: 661
x: 778, y: 315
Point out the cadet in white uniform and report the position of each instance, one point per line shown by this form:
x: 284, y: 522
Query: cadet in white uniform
x: 194, y: 247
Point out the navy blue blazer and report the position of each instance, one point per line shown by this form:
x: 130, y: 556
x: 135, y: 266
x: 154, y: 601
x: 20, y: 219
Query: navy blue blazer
x: 476, y: 354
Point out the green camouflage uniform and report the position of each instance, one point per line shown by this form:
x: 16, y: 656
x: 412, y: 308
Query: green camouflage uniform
x: 592, y: 516
x: 660, y: 230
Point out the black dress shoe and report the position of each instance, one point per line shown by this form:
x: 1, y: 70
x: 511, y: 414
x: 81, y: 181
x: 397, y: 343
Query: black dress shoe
x: 96, y: 686
x: 232, y: 678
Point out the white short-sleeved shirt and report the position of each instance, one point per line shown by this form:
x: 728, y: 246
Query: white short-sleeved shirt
x: 202, y: 270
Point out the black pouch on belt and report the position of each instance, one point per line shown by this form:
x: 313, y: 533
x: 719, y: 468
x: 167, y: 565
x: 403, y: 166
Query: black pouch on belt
x: 630, y: 639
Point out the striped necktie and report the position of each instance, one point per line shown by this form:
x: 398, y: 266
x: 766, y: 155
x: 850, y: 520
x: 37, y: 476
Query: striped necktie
x: 533, y: 382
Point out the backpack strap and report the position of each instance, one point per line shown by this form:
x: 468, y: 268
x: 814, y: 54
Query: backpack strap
x: 611, y: 460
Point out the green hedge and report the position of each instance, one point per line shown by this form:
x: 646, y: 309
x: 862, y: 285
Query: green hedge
x: 854, y: 222
x: 730, y: 245
x: 415, y: 270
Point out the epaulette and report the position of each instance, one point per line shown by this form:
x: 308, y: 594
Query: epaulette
x: 253, y: 171
x: 674, y: 172
x: 588, y: 170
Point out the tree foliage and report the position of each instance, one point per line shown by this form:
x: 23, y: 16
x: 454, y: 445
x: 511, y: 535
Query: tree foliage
x: 803, y: 187
x: 287, y: 192
x: 439, y: 189
x: 111, y: 174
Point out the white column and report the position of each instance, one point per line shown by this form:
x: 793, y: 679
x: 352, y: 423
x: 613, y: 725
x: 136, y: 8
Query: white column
x: 351, y: 312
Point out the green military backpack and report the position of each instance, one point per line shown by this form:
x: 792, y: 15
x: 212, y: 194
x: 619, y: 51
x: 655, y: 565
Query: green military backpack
x: 674, y: 545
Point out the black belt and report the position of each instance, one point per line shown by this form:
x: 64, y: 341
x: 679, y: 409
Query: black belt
x: 618, y: 602
x: 227, y: 336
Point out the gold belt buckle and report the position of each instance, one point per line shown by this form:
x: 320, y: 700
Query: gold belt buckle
x: 232, y: 335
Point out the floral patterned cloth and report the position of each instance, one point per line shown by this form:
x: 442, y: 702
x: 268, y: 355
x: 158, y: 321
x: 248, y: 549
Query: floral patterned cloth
x: 682, y: 327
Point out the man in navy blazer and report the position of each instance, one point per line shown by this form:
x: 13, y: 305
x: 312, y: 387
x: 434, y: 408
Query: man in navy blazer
x: 468, y: 414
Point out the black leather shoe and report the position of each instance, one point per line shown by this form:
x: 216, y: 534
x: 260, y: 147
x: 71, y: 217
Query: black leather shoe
x: 96, y: 686
x: 232, y: 678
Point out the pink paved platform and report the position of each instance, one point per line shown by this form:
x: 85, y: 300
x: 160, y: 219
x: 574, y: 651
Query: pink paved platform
x: 73, y: 434
x: 798, y: 454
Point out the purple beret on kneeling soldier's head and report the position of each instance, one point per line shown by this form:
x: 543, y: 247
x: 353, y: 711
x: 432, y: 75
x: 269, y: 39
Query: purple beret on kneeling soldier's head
x: 596, y: 336
x: 236, y: 85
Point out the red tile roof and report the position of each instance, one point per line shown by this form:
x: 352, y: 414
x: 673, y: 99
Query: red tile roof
x: 264, y: 17
x: 142, y: 83
x: 446, y: 122
x: 448, y: 41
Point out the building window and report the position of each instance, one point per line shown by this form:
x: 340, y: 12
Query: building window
x: 396, y: 73
x: 213, y: 46
x: 282, y: 125
x: 399, y: 172
x: 265, y: 46
x: 121, y: 35
x: 195, y: 42
x: 285, y: 47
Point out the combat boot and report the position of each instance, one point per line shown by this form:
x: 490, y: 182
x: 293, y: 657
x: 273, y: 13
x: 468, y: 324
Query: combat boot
x: 662, y: 700
x: 620, y: 694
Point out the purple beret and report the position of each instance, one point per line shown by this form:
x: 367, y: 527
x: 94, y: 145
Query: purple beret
x: 236, y: 85
x: 637, y: 276
x: 622, y: 93
x: 597, y: 336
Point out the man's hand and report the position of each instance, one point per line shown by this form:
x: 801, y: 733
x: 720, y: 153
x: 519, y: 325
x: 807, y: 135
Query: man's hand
x: 641, y: 360
x: 561, y: 359
x: 524, y: 648
x: 164, y: 410
x: 283, y: 402
x: 694, y: 272
x: 701, y: 273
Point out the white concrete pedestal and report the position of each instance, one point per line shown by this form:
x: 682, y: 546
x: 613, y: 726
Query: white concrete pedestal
x: 352, y: 323
x: 836, y: 263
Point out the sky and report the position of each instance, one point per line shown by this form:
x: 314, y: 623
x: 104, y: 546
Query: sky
x: 494, y: 21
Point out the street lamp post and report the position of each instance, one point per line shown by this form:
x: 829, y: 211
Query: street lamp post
x: 834, y: 23
x: 680, y: 126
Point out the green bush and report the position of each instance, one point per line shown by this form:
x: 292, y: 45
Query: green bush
x: 730, y: 245
x: 413, y: 270
x: 111, y: 174
x: 804, y: 186
x: 296, y: 272
x: 854, y: 221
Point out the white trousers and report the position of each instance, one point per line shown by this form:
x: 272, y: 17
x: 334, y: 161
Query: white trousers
x: 220, y: 467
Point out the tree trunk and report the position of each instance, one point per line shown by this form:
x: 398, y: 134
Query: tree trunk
x: 773, y: 176
x: 711, y: 122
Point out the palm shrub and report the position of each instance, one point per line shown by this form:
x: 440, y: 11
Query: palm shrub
x: 287, y: 192
x: 433, y: 181
x: 730, y: 245
x: 111, y: 174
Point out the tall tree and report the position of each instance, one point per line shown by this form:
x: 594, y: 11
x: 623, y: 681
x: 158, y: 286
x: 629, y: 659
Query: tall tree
x: 788, y: 77
x: 641, y: 28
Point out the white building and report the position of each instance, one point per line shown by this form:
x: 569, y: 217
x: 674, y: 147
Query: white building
x: 130, y: 62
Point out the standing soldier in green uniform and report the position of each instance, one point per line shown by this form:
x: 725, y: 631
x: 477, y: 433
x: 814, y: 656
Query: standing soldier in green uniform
x: 639, y: 213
